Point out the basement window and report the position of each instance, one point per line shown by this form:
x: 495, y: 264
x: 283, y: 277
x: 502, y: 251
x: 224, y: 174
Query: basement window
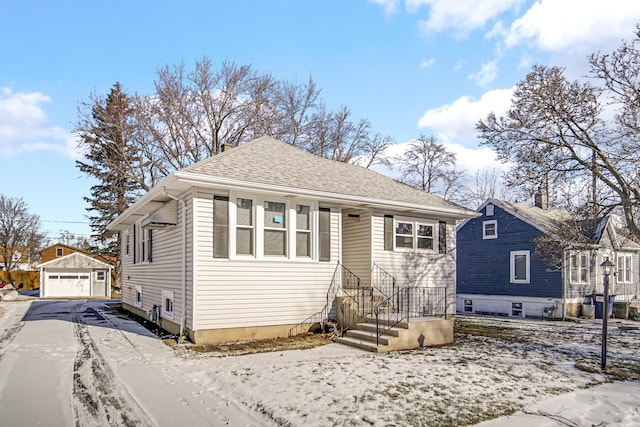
x: 468, y: 306
x: 516, y: 309
x: 167, y: 304
x: 138, y: 296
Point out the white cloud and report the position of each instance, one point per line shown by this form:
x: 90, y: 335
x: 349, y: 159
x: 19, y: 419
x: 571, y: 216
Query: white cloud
x: 461, y: 16
x: 485, y: 75
x: 427, y: 63
x: 457, y: 121
x: 553, y: 25
x: 390, y: 6
x: 24, y: 126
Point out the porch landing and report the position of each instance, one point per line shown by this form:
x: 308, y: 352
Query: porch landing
x: 413, y: 333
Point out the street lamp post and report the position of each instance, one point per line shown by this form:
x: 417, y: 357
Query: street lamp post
x: 607, y: 267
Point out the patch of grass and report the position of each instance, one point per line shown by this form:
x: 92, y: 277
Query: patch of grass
x: 298, y: 342
x: 485, y: 330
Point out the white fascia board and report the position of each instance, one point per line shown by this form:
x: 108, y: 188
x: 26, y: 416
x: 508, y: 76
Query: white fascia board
x: 197, y: 179
x: 135, y: 210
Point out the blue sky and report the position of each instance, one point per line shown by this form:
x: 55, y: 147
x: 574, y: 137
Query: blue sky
x: 410, y: 67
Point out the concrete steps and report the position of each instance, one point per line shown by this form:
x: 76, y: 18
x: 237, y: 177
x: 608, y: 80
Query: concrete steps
x: 363, y: 335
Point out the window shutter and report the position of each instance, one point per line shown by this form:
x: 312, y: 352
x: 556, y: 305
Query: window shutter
x: 135, y: 244
x: 220, y: 227
x: 388, y: 232
x: 150, y: 246
x: 325, y: 234
x: 442, y: 237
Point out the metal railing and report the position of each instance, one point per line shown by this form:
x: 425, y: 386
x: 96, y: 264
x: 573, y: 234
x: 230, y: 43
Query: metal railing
x: 382, y: 282
x: 409, y: 302
x: 342, y: 278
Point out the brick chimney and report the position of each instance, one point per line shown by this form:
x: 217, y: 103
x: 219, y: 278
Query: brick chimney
x: 541, y: 199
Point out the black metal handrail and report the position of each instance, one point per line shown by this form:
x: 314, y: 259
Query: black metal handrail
x: 410, y: 302
x: 382, y: 282
x: 342, y: 278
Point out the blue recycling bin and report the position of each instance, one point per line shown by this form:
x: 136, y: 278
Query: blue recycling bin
x: 598, y: 300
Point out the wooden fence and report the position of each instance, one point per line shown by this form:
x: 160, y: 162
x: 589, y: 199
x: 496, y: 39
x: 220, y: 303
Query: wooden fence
x: 30, y: 279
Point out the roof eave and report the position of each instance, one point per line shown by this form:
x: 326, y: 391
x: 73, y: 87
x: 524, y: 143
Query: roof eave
x: 197, y: 179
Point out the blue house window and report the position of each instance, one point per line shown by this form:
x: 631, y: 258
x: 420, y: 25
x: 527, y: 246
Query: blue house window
x: 520, y: 266
x: 490, y: 229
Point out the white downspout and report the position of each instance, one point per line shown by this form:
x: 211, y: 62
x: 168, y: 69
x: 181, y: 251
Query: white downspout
x: 183, y: 318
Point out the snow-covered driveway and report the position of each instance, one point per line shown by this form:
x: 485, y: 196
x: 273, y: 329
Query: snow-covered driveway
x: 66, y: 363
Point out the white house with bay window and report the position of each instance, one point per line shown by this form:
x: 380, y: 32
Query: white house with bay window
x: 246, y: 244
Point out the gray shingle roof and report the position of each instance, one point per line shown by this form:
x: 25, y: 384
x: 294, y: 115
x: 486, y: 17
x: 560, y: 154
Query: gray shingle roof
x: 547, y: 219
x: 268, y: 161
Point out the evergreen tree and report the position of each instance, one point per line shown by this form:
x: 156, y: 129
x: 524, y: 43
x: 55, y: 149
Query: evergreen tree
x: 106, y: 134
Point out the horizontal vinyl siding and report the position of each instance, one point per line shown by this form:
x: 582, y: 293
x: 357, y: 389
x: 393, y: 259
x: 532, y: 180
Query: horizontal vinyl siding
x: 356, y: 244
x: 164, y: 273
x: 255, y: 292
x: 484, y: 264
x: 416, y: 268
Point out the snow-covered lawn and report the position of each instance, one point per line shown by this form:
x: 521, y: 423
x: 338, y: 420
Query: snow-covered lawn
x: 495, y: 367
x: 84, y: 363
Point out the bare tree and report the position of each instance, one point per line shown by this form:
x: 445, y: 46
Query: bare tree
x: 429, y: 166
x: 555, y: 132
x: 20, y: 232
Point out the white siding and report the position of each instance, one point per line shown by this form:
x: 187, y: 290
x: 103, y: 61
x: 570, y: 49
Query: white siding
x: 255, y: 292
x: 164, y: 273
x: 417, y: 268
x: 356, y: 243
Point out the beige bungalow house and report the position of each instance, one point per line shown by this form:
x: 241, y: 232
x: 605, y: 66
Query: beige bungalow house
x: 264, y: 240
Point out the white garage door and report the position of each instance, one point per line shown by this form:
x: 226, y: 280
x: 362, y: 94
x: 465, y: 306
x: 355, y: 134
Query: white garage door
x: 68, y: 285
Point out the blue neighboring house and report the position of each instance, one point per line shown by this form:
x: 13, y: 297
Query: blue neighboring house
x: 499, y: 274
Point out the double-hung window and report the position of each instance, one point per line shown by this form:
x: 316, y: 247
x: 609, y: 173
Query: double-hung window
x: 142, y: 242
x: 275, y: 229
x: 623, y: 275
x: 424, y: 236
x: 414, y: 235
x: 404, y: 235
x: 244, y: 227
x: 579, y: 268
x: 303, y: 231
x: 520, y: 267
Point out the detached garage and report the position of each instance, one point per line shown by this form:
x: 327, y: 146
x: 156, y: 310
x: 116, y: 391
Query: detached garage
x: 75, y: 275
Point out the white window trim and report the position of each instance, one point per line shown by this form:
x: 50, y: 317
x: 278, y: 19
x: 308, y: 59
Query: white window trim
x: 416, y: 223
x: 626, y: 267
x: 296, y: 230
x: 258, y: 227
x: 489, y: 210
x: 579, y: 268
x: 233, y: 206
x: 167, y: 314
x: 512, y: 270
x: 135, y: 296
x: 287, y: 229
x: 486, y: 236
x: 127, y: 242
